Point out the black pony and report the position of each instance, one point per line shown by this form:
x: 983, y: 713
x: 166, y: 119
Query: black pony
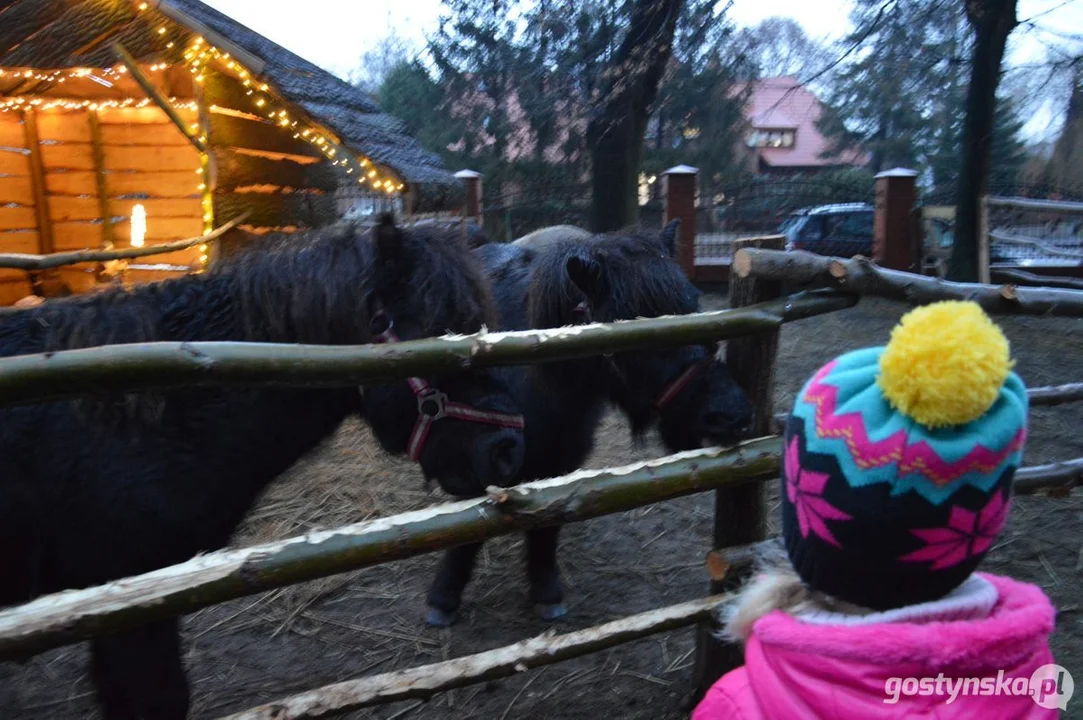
x: 686, y: 391
x: 107, y: 487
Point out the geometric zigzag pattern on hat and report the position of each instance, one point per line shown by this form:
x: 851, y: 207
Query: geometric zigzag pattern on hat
x: 918, y: 457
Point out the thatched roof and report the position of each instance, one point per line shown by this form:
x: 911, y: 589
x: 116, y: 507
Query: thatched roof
x: 77, y: 33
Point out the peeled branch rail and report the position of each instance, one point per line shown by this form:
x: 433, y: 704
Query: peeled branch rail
x: 1021, y: 277
x: 23, y: 261
x: 160, y: 365
x: 73, y: 615
x: 861, y: 276
x: 427, y: 680
x: 1057, y: 479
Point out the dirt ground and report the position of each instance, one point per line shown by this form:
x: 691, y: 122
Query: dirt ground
x: 257, y: 649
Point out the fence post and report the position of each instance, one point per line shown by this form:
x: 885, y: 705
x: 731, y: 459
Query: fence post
x: 983, y: 241
x: 739, y: 512
x: 472, y: 180
x: 893, y: 241
x: 679, y: 191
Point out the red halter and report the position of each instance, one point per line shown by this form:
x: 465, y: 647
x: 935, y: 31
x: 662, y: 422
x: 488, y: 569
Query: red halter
x: 670, y: 391
x: 433, y: 405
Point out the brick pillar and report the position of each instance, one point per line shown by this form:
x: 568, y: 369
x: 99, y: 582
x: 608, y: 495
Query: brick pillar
x: 893, y: 243
x: 472, y: 180
x: 679, y: 191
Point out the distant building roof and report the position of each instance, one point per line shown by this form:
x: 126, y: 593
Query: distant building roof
x: 784, y: 103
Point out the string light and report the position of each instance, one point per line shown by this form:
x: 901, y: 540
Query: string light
x: 200, y: 53
x: 38, y: 103
x: 65, y: 74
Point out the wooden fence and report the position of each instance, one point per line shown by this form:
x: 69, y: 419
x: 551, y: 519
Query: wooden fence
x: 735, y: 474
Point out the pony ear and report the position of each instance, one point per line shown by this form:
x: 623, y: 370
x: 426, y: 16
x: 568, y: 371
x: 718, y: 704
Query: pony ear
x: 586, y: 274
x: 389, y: 239
x: 669, y: 236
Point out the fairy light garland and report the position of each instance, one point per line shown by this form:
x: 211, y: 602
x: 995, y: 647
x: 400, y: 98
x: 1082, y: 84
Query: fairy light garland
x: 200, y: 54
x: 39, y: 103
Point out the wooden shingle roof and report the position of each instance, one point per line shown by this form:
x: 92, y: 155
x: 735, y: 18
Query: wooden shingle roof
x: 57, y: 34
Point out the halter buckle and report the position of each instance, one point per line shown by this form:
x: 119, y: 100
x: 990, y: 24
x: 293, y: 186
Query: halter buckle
x: 433, y: 403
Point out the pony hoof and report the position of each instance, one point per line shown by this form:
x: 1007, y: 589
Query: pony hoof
x: 435, y: 617
x: 551, y: 612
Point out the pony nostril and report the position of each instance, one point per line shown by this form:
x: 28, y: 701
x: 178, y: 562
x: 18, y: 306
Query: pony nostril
x: 506, y: 457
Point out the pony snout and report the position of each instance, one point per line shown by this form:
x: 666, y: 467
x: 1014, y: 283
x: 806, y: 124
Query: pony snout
x: 501, y: 456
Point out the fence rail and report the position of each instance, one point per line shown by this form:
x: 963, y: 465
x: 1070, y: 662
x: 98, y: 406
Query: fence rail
x: 861, y: 276
x: 66, y: 617
x: 24, y: 261
x: 52, y: 376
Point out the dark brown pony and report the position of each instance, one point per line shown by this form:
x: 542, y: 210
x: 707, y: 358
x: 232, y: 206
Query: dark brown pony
x: 114, y: 486
x: 686, y: 392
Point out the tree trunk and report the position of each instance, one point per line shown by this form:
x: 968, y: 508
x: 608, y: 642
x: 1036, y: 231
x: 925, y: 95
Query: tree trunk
x: 992, y: 21
x: 616, y: 133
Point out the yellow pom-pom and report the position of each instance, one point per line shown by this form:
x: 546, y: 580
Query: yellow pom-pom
x: 945, y: 364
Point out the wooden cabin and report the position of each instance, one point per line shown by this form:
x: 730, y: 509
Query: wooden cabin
x: 135, y: 123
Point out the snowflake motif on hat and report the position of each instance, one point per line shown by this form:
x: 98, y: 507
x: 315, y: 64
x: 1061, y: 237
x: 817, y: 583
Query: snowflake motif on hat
x: 967, y: 533
x: 805, y: 491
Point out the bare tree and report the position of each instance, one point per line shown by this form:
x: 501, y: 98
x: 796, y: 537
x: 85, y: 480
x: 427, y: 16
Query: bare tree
x: 991, y: 21
x: 616, y: 130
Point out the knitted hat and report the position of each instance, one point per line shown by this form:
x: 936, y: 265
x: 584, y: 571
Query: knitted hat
x: 899, y: 460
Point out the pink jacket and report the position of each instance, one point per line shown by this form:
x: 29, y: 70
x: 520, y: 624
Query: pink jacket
x: 796, y: 670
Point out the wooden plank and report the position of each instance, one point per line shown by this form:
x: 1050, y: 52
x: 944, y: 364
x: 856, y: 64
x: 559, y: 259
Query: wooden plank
x: 155, y: 159
x: 141, y: 116
x: 14, y: 163
x: 239, y: 170
x: 140, y: 135
x: 16, y: 190
x: 37, y: 182
x: 11, y: 133
x: 14, y: 290
x: 19, y: 242
x: 174, y: 184
x: 87, y: 235
x: 270, y: 210
x: 78, y: 236
x: 68, y: 156
x: 18, y: 217
x: 65, y: 208
x: 159, y: 209
x: 238, y: 132
x: 75, y: 182
x: 64, y: 126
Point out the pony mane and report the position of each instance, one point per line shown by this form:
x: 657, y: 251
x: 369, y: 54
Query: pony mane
x: 641, y: 280
x: 301, y: 288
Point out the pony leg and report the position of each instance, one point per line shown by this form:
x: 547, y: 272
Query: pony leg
x: 546, y: 591
x: 452, y: 577
x: 138, y: 674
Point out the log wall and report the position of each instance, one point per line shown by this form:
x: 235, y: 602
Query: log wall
x: 18, y: 211
x: 284, y: 182
x: 133, y: 156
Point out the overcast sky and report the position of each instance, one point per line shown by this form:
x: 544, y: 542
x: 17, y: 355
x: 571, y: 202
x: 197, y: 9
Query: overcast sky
x: 334, y: 33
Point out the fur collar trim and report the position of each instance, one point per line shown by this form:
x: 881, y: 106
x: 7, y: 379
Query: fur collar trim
x: 1020, y: 621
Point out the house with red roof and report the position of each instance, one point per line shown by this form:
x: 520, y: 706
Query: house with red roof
x: 783, y: 136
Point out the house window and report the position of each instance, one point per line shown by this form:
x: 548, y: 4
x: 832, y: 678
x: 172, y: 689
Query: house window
x: 778, y: 138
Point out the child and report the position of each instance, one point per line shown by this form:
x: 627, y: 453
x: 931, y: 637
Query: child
x: 897, y: 479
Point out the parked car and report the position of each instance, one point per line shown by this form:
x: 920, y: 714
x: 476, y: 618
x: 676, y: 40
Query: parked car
x: 842, y: 230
